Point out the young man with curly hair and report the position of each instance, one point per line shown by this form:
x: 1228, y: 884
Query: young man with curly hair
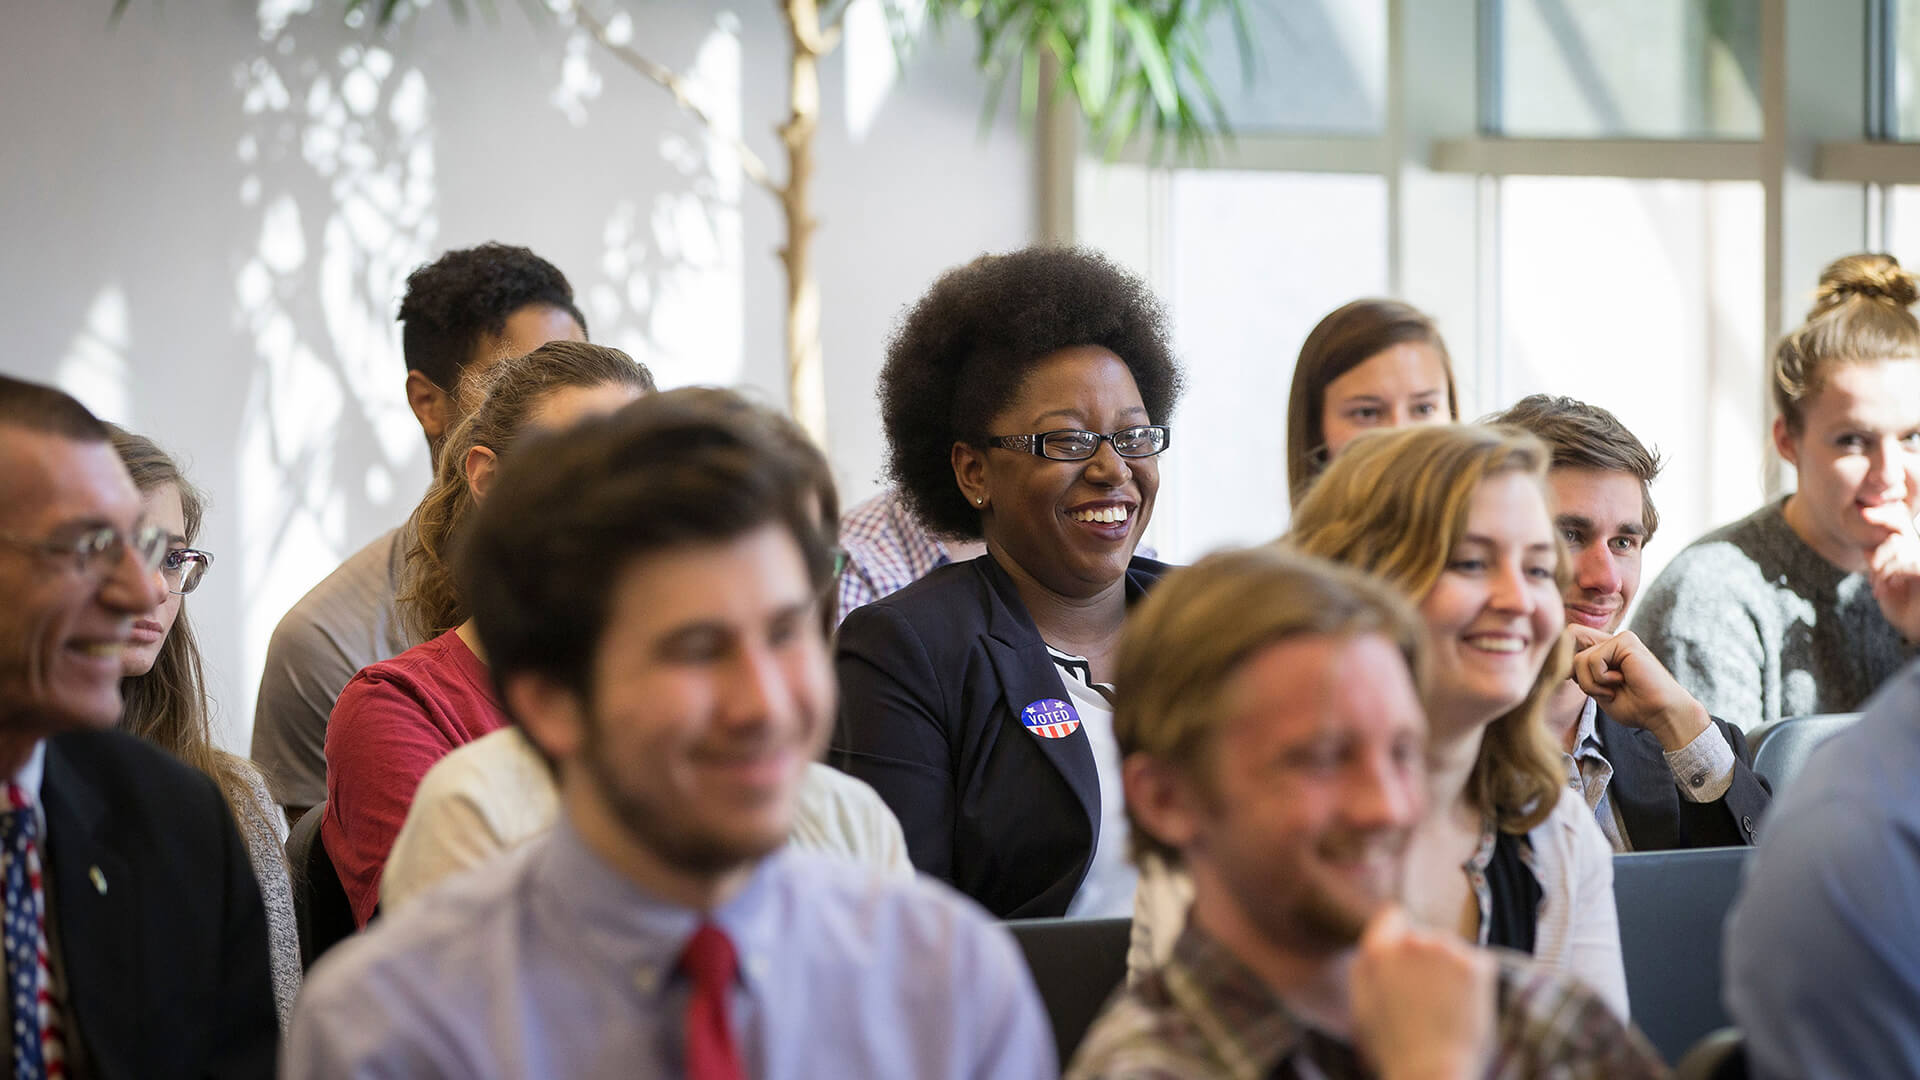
x: 460, y: 314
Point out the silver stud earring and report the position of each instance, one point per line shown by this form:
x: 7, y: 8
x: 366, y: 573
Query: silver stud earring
x: 980, y: 500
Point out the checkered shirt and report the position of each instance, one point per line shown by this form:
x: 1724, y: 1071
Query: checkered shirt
x: 1204, y: 1016
x: 887, y: 550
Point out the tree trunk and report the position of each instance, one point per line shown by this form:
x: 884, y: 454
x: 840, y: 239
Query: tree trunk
x: 806, y: 375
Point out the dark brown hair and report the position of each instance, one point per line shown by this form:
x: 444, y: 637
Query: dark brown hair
x: 48, y: 411
x: 1583, y: 436
x: 430, y: 602
x: 1860, y: 315
x: 965, y: 348
x: 800, y: 450
x: 1349, y: 336
x: 452, y: 302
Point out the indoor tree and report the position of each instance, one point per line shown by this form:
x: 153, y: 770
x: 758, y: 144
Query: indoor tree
x: 1130, y: 67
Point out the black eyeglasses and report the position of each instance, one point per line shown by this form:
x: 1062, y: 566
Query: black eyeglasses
x: 1069, y: 444
x: 182, y: 568
x: 95, y: 549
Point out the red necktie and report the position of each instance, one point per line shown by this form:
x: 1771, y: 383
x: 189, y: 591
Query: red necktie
x: 710, y: 962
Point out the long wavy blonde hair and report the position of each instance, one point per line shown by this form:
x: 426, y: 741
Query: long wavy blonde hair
x: 429, y: 600
x: 1395, y: 504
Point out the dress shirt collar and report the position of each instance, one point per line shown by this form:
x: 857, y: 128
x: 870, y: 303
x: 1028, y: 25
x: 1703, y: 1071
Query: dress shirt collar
x: 1476, y: 869
x: 32, y: 772
x: 1587, y: 733
x: 617, y: 922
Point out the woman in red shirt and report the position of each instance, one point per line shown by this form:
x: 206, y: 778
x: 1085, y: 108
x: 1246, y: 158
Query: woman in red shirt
x: 400, y: 716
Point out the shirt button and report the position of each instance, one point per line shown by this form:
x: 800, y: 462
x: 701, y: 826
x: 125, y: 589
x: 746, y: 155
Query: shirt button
x: 1699, y: 778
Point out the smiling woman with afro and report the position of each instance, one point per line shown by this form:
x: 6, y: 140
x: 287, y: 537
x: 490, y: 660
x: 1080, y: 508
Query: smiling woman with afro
x: 961, y: 352
x: 1026, y: 399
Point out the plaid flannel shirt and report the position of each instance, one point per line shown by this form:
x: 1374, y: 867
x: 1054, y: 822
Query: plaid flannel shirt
x: 1204, y: 1016
x: 887, y: 550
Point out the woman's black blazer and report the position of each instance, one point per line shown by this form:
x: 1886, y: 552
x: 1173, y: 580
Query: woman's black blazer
x: 932, y: 683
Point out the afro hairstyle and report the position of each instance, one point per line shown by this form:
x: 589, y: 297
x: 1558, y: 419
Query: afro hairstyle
x: 464, y: 295
x: 962, y: 352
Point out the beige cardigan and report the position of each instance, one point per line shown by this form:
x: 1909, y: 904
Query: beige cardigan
x: 495, y: 793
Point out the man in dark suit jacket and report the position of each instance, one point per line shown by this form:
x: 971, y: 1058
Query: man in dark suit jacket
x: 153, y: 927
x: 1646, y: 792
x: 1657, y: 770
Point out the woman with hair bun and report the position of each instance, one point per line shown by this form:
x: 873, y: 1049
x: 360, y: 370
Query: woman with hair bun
x: 1808, y: 604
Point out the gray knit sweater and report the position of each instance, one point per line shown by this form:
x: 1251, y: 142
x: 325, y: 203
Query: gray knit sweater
x: 264, y: 827
x: 1757, y: 626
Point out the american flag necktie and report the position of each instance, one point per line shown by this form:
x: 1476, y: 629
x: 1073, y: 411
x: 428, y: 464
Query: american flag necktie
x: 35, y: 1034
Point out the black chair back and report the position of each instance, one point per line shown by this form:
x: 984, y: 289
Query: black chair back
x: 320, y: 906
x: 1077, y: 964
x: 1781, y: 748
x: 1720, y: 1056
x: 1673, y: 906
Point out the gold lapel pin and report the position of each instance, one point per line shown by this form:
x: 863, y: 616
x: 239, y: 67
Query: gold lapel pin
x: 99, y: 880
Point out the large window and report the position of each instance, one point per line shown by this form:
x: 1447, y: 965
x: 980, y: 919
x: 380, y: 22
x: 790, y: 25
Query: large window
x: 1903, y: 224
x: 1897, y: 37
x: 1253, y: 261
x: 1588, y: 195
x: 1647, y: 302
x: 1321, y: 67
x: 1673, y: 69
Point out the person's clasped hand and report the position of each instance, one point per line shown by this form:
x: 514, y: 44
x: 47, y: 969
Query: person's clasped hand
x: 1894, y: 570
x: 1422, y: 1002
x: 1620, y: 672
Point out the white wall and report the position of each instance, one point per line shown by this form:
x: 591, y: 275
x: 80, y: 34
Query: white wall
x: 209, y: 210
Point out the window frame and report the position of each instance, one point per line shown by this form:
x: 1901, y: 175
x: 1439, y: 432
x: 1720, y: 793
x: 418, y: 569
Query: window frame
x: 1825, y: 162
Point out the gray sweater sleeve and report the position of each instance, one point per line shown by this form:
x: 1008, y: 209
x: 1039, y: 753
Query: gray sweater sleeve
x: 1701, y: 619
x: 265, y: 830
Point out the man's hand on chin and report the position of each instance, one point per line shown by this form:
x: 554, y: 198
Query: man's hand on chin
x: 1423, y: 1003
x: 1620, y: 672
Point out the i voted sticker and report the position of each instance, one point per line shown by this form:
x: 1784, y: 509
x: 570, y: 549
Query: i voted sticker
x: 1050, y: 718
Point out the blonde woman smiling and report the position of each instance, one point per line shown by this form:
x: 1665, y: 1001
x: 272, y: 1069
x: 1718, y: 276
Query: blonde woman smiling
x: 1456, y: 518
